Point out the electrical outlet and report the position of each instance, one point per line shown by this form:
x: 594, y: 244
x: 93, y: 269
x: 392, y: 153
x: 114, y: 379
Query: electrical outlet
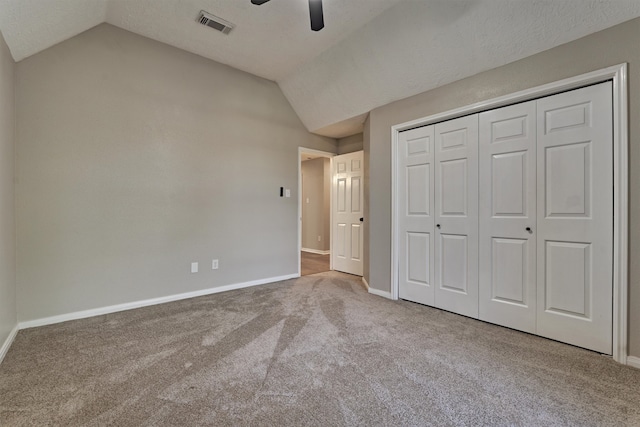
x: 194, y: 267
x: 214, y: 264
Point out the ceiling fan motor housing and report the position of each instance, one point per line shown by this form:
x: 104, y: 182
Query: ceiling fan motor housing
x: 316, y: 14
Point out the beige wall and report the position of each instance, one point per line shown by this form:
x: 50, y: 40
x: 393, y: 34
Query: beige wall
x: 351, y: 144
x: 8, y: 318
x: 135, y: 159
x: 610, y: 47
x: 315, y: 204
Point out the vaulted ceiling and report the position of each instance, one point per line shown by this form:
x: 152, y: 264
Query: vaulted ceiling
x: 370, y: 53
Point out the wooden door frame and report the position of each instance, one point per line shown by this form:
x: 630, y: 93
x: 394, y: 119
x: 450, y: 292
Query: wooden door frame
x: 330, y: 156
x: 618, y: 74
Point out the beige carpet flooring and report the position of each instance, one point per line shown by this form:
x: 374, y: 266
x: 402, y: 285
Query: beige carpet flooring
x: 317, y: 350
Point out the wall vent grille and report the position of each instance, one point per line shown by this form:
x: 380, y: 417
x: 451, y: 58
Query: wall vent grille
x: 214, y: 22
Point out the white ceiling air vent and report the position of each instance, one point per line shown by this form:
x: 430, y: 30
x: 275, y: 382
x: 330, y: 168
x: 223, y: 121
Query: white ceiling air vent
x: 214, y: 22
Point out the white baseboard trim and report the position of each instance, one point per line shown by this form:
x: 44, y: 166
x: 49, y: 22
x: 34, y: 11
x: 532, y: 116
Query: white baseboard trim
x: 380, y: 293
x: 633, y: 361
x: 366, y: 285
x: 145, y: 303
x: 315, y: 251
x: 7, y: 343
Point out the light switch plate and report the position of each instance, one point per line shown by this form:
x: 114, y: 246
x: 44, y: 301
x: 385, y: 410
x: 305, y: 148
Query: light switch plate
x: 287, y: 193
x: 194, y: 267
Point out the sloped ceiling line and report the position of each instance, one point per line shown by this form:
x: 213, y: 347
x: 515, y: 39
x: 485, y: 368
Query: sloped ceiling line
x: 370, y: 53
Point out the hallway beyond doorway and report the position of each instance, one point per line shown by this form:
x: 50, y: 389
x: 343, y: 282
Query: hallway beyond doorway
x: 313, y: 263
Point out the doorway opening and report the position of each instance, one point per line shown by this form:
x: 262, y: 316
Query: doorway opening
x: 314, y: 211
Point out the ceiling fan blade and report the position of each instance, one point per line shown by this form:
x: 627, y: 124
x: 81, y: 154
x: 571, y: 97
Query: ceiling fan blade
x: 259, y: 2
x: 316, y: 15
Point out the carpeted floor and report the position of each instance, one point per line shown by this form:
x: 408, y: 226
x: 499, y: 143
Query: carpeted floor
x: 317, y: 350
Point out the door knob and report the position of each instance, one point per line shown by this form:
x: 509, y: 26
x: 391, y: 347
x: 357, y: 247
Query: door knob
x: 361, y: 219
x: 438, y: 225
x: 528, y: 229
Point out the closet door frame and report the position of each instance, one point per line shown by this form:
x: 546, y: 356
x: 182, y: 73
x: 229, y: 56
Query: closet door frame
x: 618, y: 75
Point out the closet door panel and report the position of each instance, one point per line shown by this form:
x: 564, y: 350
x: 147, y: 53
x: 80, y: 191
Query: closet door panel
x: 415, y: 173
x: 575, y: 217
x: 456, y: 242
x: 507, y: 159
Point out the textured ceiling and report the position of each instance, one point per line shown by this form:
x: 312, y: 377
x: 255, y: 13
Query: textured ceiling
x: 370, y: 53
x: 419, y: 45
x: 31, y: 26
x: 269, y: 41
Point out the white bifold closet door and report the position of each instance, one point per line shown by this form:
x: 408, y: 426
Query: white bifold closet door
x: 456, y: 215
x: 507, y: 146
x: 507, y: 216
x: 437, y: 215
x: 415, y: 211
x: 575, y: 217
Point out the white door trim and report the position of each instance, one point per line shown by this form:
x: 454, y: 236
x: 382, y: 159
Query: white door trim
x: 301, y: 151
x: 618, y: 74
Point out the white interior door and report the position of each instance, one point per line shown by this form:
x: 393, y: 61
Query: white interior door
x: 507, y: 159
x: 575, y: 217
x: 456, y: 233
x: 415, y: 171
x: 348, y: 194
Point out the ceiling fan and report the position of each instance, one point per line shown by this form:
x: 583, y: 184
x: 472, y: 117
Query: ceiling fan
x: 315, y: 13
